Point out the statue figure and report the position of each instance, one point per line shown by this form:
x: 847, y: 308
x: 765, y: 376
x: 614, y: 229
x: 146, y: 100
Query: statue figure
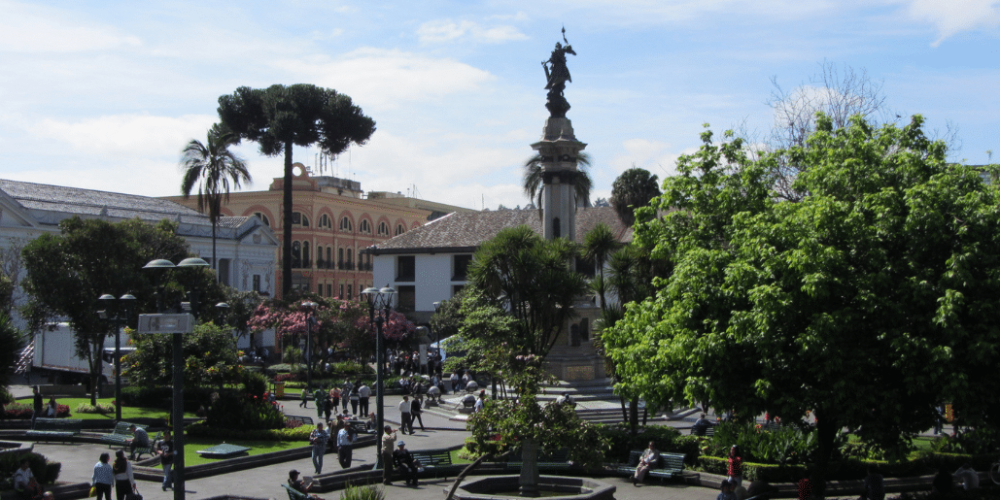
x: 556, y: 75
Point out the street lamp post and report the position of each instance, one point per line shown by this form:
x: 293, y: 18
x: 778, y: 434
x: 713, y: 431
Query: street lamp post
x: 118, y: 321
x: 178, y: 348
x: 310, y: 321
x: 379, y: 299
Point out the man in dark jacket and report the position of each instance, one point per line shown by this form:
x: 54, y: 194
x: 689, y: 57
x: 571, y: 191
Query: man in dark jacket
x: 404, y: 460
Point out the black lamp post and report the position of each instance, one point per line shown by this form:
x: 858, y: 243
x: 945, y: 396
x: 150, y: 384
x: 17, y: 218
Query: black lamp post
x: 310, y: 321
x: 178, y: 347
x: 117, y: 321
x: 382, y: 300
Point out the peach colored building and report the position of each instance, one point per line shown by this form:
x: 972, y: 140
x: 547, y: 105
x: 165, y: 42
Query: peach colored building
x: 332, y: 223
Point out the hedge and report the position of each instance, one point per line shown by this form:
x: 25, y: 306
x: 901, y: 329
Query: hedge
x: 300, y: 433
x: 44, y: 471
x: 849, y: 469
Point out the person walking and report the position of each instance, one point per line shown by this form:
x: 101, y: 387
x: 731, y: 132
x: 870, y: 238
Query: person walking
x: 415, y: 411
x: 103, y: 477
x: 124, y: 480
x: 335, y: 397
x: 38, y: 404
x: 735, y: 467
x: 355, y: 399
x: 404, y: 415
x: 345, y: 447
x: 305, y: 399
x: 318, y: 438
x: 165, y: 449
x: 345, y: 393
x: 318, y: 396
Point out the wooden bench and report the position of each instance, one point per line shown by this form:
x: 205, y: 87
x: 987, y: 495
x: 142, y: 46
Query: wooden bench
x: 671, y: 465
x: 147, y: 450
x: 437, y: 463
x: 555, y: 461
x: 55, y: 429
x: 293, y: 494
x: 120, y: 435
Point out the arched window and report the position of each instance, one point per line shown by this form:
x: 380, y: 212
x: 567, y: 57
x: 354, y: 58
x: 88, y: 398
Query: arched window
x: 263, y: 218
x: 345, y: 224
x: 296, y: 254
x: 400, y: 229
x: 324, y: 221
x: 349, y: 260
x: 340, y: 260
x: 365, y: 227
x: 383, y: 229
x: 299, y: 218
x: 328, y: 263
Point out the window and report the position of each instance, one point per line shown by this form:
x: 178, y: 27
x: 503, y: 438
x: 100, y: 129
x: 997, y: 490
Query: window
x: 300, y: 219
x: 324, y: 221
x: 400, y: 229
x: 349, y: 260
x: 349, y: 292
x: 329, y: 290
x: 345, y: 224
x: 406, y: 268
x: 365, y: 227
x: 256, y: 283
x: 305, y: 254
x: 263, y: 218
x: 224, y: 271
x: 319, y: 289
x: 296, y: 254
x: 555, y: 228
x: 383, y: 229
x: 584, y: 329
x: 407, y: 298
x: 341, y: 290
x: 460, y: 267
x: 340, y: 262
x: 328, y: 256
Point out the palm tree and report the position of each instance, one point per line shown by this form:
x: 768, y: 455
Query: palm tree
x: 533, y: 178
x: 598, y: 245
x: 215, y: 169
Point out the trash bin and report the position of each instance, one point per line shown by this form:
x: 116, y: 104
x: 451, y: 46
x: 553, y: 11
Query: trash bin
x: 279, y: 389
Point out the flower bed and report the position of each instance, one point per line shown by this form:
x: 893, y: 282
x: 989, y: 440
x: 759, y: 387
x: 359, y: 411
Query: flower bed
x: 24, y: 411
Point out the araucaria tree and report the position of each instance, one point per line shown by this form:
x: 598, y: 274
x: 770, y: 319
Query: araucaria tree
x: 214, y: 169
x: 280, y: 117
x: 869, y: 301
x: 633, y: 189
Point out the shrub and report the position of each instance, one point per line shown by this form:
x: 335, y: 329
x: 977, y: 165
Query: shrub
x: 5, y: 396
x: 253, y: 383
x: 102, y: 408
x: 367, y: 492
x: 300, y: 433
x: 247, y: 411
x: 668, y: 440
x: 786, y: 445
x: 23, y: 411
x: 161, y: 397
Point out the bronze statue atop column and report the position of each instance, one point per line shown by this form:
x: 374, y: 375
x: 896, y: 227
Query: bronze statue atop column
x: 556, y: 75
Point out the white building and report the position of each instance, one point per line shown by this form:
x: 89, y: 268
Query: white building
x: 246, y: 248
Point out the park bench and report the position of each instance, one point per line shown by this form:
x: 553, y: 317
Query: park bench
x: 120, y: 435
x: 147, y: 450
x: 293, y: 494
x: 707, y: 431
x: 437, y: 462
x: 555, y: 461
x: 55, y: 429
x: 359, y: 427
x: 670, y: 465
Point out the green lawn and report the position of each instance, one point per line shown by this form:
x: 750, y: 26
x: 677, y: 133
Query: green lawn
x: 192, y: 445
x: 128, y: 412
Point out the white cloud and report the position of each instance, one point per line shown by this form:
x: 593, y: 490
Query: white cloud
x: 955, y: 16
x: 139, y: 135
x: 33, y: 29
x: 383, y: 78
x: 446, y: 30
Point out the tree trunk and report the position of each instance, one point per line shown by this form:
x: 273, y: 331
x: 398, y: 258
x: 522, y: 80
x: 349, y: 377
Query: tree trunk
x: 633, y: 410
x: 215, y: 260
x: 286, y: 225
x: 95, y: 371
x: 624, y: 409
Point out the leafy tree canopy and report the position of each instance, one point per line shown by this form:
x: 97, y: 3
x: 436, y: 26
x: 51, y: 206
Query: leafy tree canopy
x: 868, y: 302
x: 209, y: 354
x: 633, y: 189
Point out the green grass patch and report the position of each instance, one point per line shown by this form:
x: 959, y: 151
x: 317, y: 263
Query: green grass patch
x: 455, y: 459
x: 192, y: 445
x: 128, y: 413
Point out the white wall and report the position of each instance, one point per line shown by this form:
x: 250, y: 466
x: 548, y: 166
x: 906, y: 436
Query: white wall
x: 432, y: 279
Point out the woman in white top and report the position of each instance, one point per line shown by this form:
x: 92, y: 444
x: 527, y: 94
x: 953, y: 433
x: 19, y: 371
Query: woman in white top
x: 124, y: 480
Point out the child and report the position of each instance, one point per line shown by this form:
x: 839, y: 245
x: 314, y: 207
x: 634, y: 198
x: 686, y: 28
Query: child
x: 726, y: 491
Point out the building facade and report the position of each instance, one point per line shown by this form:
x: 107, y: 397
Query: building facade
x: 332, y: 223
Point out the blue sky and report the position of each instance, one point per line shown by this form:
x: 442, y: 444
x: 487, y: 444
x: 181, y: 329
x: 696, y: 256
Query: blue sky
x: 104, y: 95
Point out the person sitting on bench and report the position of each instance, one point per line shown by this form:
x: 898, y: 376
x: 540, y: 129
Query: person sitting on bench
x: 404, y: 460
x: 141, y: 440
x: 300, y: 486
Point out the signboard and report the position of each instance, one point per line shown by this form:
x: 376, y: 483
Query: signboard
x: 166, y: 323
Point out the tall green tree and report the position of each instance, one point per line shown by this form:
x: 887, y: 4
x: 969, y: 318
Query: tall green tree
x: 868, y: 302
x: 534, y: 180
x: 215, y: 170
x: 280, y: 117
x: 209, y: 358
x: 520, y: 272
x: 633, y: 189
x: 12, y: 341
x: 67, y: 272
x: 598, y: 245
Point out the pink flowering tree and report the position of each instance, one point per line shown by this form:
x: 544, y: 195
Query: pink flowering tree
x: 396, y: 330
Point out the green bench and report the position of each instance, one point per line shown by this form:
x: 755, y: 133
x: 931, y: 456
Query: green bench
x: 359, y: 427
x: 120, y: 435
x: 293, y: 494
x: 552, y: 462
x: 55, y: 429
x: 147, y: 450
x: 437, y: 463
x: 671, y: 465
